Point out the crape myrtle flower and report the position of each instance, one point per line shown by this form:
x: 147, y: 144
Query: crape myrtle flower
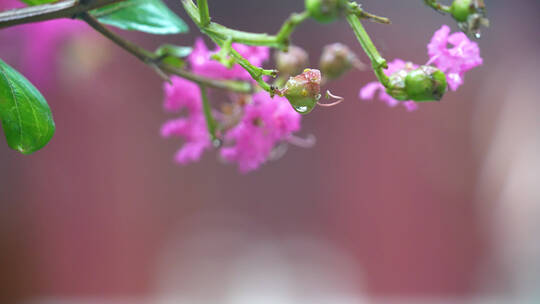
x: 453, y: 54
x: 181, y: 95
x: 201, y: 61
x: 266, y: 122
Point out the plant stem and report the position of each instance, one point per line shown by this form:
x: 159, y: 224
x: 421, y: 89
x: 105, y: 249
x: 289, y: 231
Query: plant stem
x: 355, y: 8
x: 377, y: 61
x: 153, y: 60
x: 63, y: 9
x: 437, y: 6
x: 204, y: 12
x: 279, y: 41
x: 284, y: 34
x: 220, y: 35
x: 207, y: 109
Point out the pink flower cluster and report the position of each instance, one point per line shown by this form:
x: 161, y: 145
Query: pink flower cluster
x: 202, y: 64
x: 185, y: 95
x: 453, y: 54
x: 462, y: 56
x: 264, y: 121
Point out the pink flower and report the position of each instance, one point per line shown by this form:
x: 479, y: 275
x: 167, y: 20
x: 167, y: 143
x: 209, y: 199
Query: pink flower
x: 183, y: 94
x: 462, y: 55
x: 42, y: 43
x: 370, y: 89
x: 265, y: 123
x: 202, y: 63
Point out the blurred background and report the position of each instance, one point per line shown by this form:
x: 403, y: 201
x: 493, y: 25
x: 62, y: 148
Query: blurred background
x: 438, y: 205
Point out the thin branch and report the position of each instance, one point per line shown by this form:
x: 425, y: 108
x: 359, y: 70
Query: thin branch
x: 44, y: 12
x: 434, y: 4
x: 207, y: 109
x: 279, y: 41
x: 154, y: 60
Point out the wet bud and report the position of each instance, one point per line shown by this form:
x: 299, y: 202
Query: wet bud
x: 462, y: 9
x: 303, y: 91
x: 336, y: 59
x: 470, y: 15
x: 292, y: 62
x: 324, y: 11
x: 425, y: 83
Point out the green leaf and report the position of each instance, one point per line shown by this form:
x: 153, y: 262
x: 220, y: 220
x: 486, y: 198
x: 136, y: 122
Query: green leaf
x: 37, y: 2
x: 172, y: 54
x: 174, y: 50
x: 150, y: 16
x: 26, y: 117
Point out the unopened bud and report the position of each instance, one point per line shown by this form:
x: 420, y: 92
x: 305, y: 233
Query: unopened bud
x: 425, y: 83
x: 292, y: 62
x: 304, y: 90
x: 324, y: 11
x: 337, y: 59
x: 470, y: 15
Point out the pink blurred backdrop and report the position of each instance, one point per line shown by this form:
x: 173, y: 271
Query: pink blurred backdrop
x: 408, y: 198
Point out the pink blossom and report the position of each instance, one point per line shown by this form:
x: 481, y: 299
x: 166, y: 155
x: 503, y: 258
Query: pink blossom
x: 266, y: 122
x: 462, y: 55
x: 202, y: 63
x: 40, y: 43
x: 41, y: 54
x: 183, y: 94
x: 370, y: 90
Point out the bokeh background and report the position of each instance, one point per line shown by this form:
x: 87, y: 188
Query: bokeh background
x: 441, y: 204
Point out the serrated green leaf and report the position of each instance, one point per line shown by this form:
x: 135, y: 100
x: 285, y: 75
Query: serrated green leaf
x: 37, y: 2
x: 26, y: 117
x: 150, y: 16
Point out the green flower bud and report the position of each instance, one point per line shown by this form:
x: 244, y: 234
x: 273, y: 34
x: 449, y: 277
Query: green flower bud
x: 462, y: 9
x: 292, y: 62
x: 324, y: 11
x: 336, y: 59
x: 470, y: 15
x: 303, y: 91
x: 425, y: 83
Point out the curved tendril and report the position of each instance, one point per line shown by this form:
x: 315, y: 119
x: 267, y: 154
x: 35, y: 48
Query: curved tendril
x: 329, y: 95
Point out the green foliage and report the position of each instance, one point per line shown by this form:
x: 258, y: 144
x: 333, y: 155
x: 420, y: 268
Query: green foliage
x: 172, y: 54
x: 37, y: 2
x: 150, y: 16
x: 26, y: 118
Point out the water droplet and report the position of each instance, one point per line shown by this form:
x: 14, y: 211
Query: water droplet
x: 217, y: 143
x: 301, y: 109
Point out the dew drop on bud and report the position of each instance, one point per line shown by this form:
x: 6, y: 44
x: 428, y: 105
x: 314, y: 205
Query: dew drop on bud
x: 303, y: 91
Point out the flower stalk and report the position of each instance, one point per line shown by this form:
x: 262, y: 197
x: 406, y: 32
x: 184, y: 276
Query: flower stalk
x: 434, y: 4
x: 377, y: 61
x: 154, y: 61
x: 207, y: 110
